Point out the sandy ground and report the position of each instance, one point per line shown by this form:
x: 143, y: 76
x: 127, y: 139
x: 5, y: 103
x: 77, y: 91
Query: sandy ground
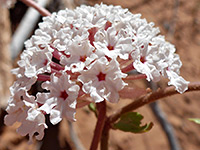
x: 181, y: 26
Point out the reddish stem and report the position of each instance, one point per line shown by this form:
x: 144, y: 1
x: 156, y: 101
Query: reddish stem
x: 40, y: 9
x: 56, y: 53
x: 122, y: 62
x: 82, y: 104
x: 43, y: 77
x: 151, y: 97
x: 54, y: 70
x: 135, y: 77
x: 105, y: 136
x: 139, y: 102
x: 81, y: 93
x: 58, y: 73
x: 128, y: 68
x: 101, y: 107
x: 56, y: 66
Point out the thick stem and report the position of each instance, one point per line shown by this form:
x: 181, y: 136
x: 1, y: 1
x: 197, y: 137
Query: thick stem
x: 105, y: 136
x: 151, y: 97
x: 101, y: 107
x: 141, y: 101
x: 40, y: 9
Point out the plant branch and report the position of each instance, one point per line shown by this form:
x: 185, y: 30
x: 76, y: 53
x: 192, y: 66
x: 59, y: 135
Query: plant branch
x: 105, y: 136
x: 151, y: 97
x: 139, y: 102
x: 101, y: 107
x: 41, y: 10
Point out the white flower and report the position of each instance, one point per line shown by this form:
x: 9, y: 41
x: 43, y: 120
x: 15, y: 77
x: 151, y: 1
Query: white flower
x: 158, y: 59
x: 34, y: 123
x: 80, y: 55
x: 16, y: 110
x: 22, y: 83
x: 177, y: 81
x: 103, y: 80
x: 172, y: 70
x: 61, y: 99
x: 23, y: 108
x: 147, y: 51
x: 34, y: 62
x: 112, y: 43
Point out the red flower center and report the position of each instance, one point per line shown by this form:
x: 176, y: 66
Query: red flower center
x: 142, y: 59
x: 110, y: 47
x: 63, y: 95
x: 101, y: 76
x: 83, y: 58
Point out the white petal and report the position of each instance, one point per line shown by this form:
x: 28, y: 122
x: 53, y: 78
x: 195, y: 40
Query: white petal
x: 177, y: 81
x: 55, y: 116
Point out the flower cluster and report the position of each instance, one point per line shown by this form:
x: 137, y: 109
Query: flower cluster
x: 81, y: 53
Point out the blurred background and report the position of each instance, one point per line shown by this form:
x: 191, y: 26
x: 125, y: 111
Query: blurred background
x: 178, y: 20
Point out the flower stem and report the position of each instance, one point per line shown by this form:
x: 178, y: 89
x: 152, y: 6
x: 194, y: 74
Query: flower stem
x: 56, y: 53
x: 101, y: 107
x: 128, y: 68
x: 56, y: 66
x: 105, y: 136
x: 139, y: 102
x: 151, y: 97
x: 135, y: 77
x: 40, y: 9
x: 43, y: 77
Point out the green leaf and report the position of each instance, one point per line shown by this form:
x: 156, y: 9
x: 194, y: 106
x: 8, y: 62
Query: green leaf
x: 131, y: 122
x: 92, y: 107
x: 196, y: 120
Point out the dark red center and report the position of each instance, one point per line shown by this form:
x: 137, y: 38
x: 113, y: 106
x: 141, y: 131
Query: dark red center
x: 63, y: 95
x: 71, y: 26
x: 142, y: 59
x: 83, y: 58
x: 110, y: 47
x: 101, y: 76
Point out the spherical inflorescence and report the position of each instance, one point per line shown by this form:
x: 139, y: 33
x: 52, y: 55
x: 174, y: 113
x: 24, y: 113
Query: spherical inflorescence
x: 85, y: 52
